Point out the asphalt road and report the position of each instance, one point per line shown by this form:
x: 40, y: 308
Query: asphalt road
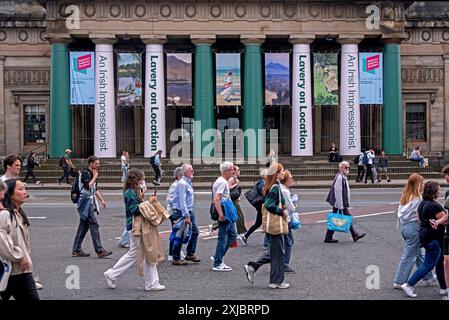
x: 347, y: 270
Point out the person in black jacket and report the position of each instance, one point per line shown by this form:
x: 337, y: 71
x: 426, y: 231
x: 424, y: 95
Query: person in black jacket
x: 31, y: 163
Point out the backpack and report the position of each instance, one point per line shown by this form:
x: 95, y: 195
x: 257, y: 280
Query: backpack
x: 75, y: 191
x: 61, y: 161
x: 365, y: 158
x: 357, y: 159
x: 152, y: 160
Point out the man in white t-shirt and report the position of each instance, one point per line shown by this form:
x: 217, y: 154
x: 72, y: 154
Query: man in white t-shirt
x: 11, y: 165
x: 227, y: 232
x: 124, y: 165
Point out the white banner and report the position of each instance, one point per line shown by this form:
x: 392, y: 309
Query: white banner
x: 302, y: 135
x: 154, y: 101
x: 104, y: 133
x: 350, y: 142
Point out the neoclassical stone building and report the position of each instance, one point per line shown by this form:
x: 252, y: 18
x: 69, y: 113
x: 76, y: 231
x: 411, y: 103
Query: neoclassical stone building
x: 325, y: 44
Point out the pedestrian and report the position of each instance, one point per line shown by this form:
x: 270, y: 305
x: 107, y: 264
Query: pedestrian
x: 360, y: 166
x: 133, y: 197
x: 339, y: 197
x: 124, y: 166
x: 183, y: 208
x: 383, y: 167
x: 270, y: 158
x: 431, y: 236
x: 12, y: 165
x: 227, y: 216
x: 31, y: 163
x: 87, y: 207
x: 446, y: 235
x: 67, y: 166
x: 416, y: 156
x: 408, y: 217
x: 157, y: 167
x: 259, y: 185
x: 334, y: 156
x: 15, y: 243
x: 368, y: 162
x: 275, y: 204
x: 235, y: 193
x: 171, y: 198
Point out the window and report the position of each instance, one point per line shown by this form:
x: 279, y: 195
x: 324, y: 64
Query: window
x: 187, y: 125
x: 416, y: 121
x: 34, y: 124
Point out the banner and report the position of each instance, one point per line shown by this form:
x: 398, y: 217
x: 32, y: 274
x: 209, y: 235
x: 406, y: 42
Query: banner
x: 228, y: 90
x: 350, y: 142
x: 371, y: 77
x: 154, y: 101
x: 277, y: 79
x: 82, y: 78
x: 325, y: 78
x: 302, y: 121
x: 104, y: 117
x: 179, y: 79
x: 129, y: 79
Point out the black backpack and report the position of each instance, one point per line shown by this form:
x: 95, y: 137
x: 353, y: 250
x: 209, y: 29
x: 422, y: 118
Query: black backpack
x: 75, y: 191
x: 357, y: 159
x: 152, y: 160
x: 61, y: 161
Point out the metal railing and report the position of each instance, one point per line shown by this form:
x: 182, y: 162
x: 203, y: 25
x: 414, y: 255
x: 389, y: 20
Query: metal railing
x: 42, y: 152
x: 434, y: 155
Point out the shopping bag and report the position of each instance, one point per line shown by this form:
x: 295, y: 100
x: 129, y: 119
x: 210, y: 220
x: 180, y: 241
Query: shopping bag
x: 5, y: 271
x: 339, y: 222
x: 274, y: 224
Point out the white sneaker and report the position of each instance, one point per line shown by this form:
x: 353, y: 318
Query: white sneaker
x: 432, y: 281
x: 242, y: 239
x: 249, y: 270
x: 283, y: 285
x: 37, y: 182
x: 443, y: 292
x: 158, y: 287
x: 39, y: 286
x: 170, y: 258
x: 222, y: 268
x: 111, y: 283
x: 396, y: 286
x: 183, y: 255
x: 408, y: 290
x: 211, y: 230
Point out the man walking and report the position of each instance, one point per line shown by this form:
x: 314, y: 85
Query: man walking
x: 183, y: 207
x: 66, y: 164
x: 31, y: 163
x: 339, y: 198
x: 156, y: 163
x: 227, y: 216
x: 12, y: 165
x: 87, y: 207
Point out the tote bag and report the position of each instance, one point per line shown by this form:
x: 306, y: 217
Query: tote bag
x: 274, y: 224
x: 5, y: 271
x: 339, y: 222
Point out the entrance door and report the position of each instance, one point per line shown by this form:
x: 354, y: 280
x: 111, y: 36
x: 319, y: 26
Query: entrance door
x: 228, y: 126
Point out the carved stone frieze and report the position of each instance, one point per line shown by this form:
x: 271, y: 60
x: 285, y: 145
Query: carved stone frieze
x: 427, y: 35
x: 24, y: 77
x: 422, y: 75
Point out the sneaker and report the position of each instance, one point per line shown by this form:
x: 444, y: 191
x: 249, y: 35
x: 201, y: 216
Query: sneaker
x: 289, y: 270
x: 242, y: 239
x: 410, y: 291
x: 80, y: 253
x: 103, y: 254
x: 170, y: 258
x: 123, y: 245
x: 179, y: 262
x: 222, y: 268
x: 109, y: 281
x: 445, y: 298
x: 249, y: 270
x: 38, y: 182
x: 211, y: 230
x: 442, y: 292
x: 182, y: 255
x: 388, y: 180
x: 431, y: 282
x: 397, y: 286
x: 193, y: 258
x: 283, y: 285
x: 158, y: 287
x: 39, y: 286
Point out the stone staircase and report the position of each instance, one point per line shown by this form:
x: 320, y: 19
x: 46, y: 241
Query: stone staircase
x: 316, y: 168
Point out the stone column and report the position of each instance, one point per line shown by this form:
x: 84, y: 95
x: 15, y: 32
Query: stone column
x: 105, y: 143
x: 204, y: 92
x: 446, y: 97
x: 350, y: 140
x: 60, y: 114
x: 302, y: 119
x: 392, y: 122
x: 253, y: 95
x: 154, y: 124
x: 2, y: 107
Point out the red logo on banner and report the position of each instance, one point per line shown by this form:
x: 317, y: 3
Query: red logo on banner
x: 372, y: 62
x: 84, y: 62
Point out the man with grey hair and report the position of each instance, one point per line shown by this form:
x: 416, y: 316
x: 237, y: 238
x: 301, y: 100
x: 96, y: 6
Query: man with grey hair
x: 339, y: 198
x: 227, y: 216
x: 183, y: 207
x: 171, y: 196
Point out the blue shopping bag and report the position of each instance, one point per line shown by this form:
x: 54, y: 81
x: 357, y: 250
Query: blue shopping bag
x: 339, y: 222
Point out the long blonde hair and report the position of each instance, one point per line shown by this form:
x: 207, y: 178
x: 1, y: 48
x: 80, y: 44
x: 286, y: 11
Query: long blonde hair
x: 271, y: 179
x: 413, y: 189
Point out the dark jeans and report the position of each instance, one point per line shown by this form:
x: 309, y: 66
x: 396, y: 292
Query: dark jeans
x: 288, y: 243
x: 431, y: 260
x: 21, y: 287
x: 275, y: 256
x: 330, y: 233
x: 191, y: 246
x: 226, y: 235
x: 30, y: 173
x: 369, y: 172
x: 256, y: 224
x: 240, y: 223
x: 65, y: 175
x: 158, y: 173
x: 89, y: 224
x: 360, y: 173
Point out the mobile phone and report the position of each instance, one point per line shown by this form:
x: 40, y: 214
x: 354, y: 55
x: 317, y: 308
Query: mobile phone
x: 155, y: 192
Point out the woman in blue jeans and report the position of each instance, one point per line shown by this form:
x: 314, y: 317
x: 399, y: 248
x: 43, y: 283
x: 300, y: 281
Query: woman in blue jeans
x: 431, y: 234
x: 408, y: 216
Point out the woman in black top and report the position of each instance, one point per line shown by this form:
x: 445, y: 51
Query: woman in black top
x: 432, y: 217
x: 333, y: 153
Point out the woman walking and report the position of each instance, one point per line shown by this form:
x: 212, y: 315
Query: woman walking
x: 15, y: 243
x: 235, y: 192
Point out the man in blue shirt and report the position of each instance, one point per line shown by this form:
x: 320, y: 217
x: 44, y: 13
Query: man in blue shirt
x: 183, y: 207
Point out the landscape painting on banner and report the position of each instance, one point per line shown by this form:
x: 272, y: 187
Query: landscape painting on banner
x: 129, y: 78
x: 371, y: 77
x: 325, y: 78
x: 228, y: 89
x: 82, y: 77
x: 179, y: 79
x: 277, y: 79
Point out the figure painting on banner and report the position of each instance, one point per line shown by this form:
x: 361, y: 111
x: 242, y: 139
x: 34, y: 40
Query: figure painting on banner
x: 325, y: 79
x: 228, y: 79
x: 129, y: 76
x: 179, y: 79
x: 277, y: 78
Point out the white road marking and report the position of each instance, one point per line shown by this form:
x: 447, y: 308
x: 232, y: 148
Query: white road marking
x: 363, y: 215
x: 41, y: 218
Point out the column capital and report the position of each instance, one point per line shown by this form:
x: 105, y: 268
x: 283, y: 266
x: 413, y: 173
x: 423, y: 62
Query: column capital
x: 349, y: 39
x: 252, y: 39
x: 395, y: 38
x: 103, y: 38
x: 203, y: 39
x: 445, y: 47
x: 153, y: 39
x: 55, y: 38
x: 301, y: 38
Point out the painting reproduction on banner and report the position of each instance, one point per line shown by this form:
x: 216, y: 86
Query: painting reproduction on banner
x: 179, y: 79
x: 228, y: 88
x: 129, y: 77
x: 82, y: 77
x: 325, y: 79
x: 277, y: 79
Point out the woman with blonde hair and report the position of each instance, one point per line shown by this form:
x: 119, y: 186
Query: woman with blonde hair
x: 408, y: 217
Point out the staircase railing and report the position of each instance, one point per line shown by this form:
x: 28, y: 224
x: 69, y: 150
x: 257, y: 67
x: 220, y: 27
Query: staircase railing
x: 42, y: 152
x: 436, y: 155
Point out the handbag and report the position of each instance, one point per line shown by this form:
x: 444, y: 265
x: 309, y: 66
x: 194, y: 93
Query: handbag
x: 274, y: 224
x: 253, y: 196
x: 339, y: 222
x: 235, y: 193
x: 5, y: 271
